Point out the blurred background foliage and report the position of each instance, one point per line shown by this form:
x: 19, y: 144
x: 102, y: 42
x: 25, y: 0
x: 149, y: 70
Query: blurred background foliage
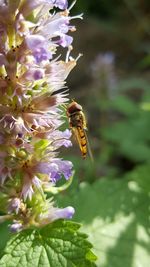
x: 111, y: 81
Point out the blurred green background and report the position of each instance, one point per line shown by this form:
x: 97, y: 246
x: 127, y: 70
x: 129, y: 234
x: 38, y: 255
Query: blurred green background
x: 111, y: 81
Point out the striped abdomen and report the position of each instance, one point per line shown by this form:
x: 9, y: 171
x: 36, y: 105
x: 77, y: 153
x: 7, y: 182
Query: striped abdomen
x: 82, y: 141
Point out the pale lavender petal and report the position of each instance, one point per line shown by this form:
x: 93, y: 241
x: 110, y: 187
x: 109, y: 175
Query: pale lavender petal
x: 29, y: 5
x: 27, y: 191
x: 62, y: 4
x: 55, y: 169
x: 2, y: 2
x: 57, y: 27
x: 62, y: 142
x: 60, y: 135
x: 66, y: 213
x: 38, y: 75
x: 14, y: 205
x: 46, y: 167
x: 65, y: 40
x: 34, y: 74
x: 65, y: 167
x: 36, y: 182
x: 34, y: 41
x: 16, y: 227
x: 41, y: 54
x: 65, y: 143
x: 61, y: 138
x: 38, y: 45
x: 67, y: 134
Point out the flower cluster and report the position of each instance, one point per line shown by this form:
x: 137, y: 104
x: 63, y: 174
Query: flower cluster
x: 32, y: 97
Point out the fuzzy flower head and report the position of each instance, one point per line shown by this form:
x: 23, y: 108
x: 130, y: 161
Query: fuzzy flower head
x: 32, y: 99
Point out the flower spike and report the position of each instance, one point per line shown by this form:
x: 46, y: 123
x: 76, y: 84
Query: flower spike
x: 33, y: 92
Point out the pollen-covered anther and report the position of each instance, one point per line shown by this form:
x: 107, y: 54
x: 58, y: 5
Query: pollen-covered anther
x: 73, y: 29
x: 26, y: 165
x: 64, y: 13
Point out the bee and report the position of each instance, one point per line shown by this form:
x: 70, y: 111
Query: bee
x: 78, y: 125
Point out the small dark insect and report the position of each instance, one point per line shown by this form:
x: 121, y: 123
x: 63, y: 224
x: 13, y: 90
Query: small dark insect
x: 78, y: 125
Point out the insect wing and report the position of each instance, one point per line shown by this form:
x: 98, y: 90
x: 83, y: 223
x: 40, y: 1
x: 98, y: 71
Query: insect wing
x: 89, y: 148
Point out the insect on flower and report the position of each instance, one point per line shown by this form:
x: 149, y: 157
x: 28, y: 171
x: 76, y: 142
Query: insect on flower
x: 78, y: 125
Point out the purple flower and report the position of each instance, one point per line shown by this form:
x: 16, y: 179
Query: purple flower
x: 61, y: 138
x: 62, y: 4
x: 64, y: 167
x: 65, y: 213
x: 35, y: 41
x: 38, y: 45
x: 34, y: 74
x: 14, y: 205
x: 55, y: 169
x: 55, y: 214
x: 57, y: 26
x: 30, y: 5
x: 65, y: 40
x: 29, y: 183
x: 41, y: 54
x: 27, y: 191
x: 16, y: 227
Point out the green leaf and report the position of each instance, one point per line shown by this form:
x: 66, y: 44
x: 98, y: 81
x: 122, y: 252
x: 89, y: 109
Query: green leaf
x: 116, y: 215
x: 4, y: 236
x: 56, y: 245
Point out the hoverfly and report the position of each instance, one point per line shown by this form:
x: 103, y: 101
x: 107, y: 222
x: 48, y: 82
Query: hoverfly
x: 78, y: 125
